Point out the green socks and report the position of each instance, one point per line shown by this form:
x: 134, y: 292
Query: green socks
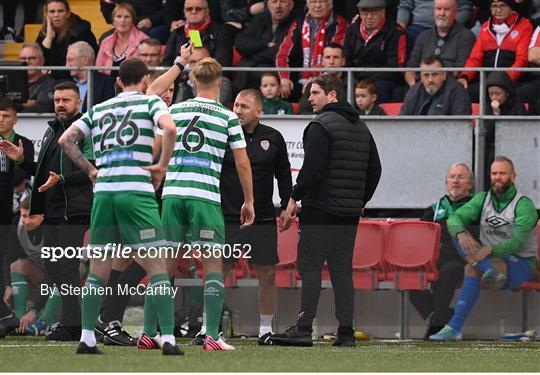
x: 51, y: 307
x: 214, y: 295
x: 158, y: 304
x: 91, y: 301
x: 150, y: 315
x: 19, y: 287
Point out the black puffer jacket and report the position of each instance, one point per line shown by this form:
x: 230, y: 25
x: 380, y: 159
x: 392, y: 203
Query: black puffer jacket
x: 341, y: 167
x: 75, y: 193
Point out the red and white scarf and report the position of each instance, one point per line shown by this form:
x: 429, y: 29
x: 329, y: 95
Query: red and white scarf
x: 312, y: 54
x: 202, y: 28
x: 367, y: 37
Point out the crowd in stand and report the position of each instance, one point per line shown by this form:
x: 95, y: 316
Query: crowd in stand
x: 303, y: 34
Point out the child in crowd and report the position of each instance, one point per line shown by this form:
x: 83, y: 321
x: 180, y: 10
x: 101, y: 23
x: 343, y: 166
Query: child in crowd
x: 365, y: 95
x: 501, y: 95
x: 272, y: 103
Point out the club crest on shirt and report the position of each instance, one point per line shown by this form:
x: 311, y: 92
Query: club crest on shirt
x: 265, y: 144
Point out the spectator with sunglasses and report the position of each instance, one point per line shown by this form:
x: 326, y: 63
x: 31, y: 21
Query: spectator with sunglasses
x: 213, y: 36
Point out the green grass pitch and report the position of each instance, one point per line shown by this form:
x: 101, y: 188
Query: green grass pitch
x: 33, y: 354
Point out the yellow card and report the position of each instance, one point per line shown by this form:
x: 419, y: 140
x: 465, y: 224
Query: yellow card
x: 195, y: 37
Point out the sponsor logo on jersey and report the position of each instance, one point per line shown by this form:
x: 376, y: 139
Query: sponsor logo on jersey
x: 117, y: 156
x: 496, y: 222
x: 192, y: 161
x: 147, y: 233
x: 207, y: 234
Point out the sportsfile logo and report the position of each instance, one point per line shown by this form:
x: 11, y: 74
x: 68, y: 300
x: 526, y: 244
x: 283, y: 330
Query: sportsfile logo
x: 496, y: 222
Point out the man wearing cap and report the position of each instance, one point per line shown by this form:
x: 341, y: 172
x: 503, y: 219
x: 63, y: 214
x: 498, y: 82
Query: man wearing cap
x: 503, y: 42
x: 373, y: 42
x: 448, y: 39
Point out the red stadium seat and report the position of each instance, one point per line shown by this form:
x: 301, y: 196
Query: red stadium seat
x: 475, y: 108
x: 236, y: 58
x: 412, y: 253
x: 294, y: 108
x: 235, y: 63
x: 286, y: 276
x: 368, y: 258
x: 239, y: 271
x: 391, y: 109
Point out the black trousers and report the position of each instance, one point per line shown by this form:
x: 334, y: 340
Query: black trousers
x: 437, y: 300
x: 65, y: 272
x: 330, y: 238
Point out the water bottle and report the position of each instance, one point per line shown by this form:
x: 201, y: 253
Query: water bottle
x: 226, y: 324
x: 315, y: 330
x: 235, y: 323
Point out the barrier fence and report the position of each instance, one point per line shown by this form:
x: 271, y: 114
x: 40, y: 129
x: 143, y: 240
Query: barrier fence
x: 415, y: 150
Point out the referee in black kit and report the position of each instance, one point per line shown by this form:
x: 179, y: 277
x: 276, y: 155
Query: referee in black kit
x: 339, y: 176
x: 267, y: 153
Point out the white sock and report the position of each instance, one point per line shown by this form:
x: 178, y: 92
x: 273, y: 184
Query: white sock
x: 203, y: 327
x: 88, y: 337
x: 265, y: 324
x: 168, y: 338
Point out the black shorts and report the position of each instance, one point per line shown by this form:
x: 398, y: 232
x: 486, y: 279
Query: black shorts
x: 261, y: 237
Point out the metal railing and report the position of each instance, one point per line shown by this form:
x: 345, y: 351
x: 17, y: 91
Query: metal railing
x: 479, y: 129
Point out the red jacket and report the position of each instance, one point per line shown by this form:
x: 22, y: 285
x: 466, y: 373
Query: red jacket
x: 511, y: 52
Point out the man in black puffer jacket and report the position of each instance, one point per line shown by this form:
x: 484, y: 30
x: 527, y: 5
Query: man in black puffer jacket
x: 339, y: 176
x: 64, y: 195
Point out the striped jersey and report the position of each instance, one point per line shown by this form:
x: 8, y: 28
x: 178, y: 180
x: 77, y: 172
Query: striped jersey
x: 204, y: 128
x: 122, y: 131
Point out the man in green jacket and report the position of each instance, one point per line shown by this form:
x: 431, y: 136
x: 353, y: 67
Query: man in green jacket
x: 506, y: 255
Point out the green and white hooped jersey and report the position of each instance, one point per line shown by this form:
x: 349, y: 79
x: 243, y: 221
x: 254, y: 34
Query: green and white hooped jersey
x: 203, y: 129
x: 122, y: 130
x: 497, y: 226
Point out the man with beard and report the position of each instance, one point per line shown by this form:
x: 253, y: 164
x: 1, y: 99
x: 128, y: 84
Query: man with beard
x: 436, y: 94
x: 505, y: 255
x: 448, y: 39
x: 63, y: 194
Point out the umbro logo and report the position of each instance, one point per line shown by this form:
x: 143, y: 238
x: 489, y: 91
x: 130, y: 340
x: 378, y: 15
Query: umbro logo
x: 211, y: 291
x: 496, y: 222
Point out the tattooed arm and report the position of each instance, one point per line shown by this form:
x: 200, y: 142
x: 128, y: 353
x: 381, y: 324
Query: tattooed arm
x: 68, y: 141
